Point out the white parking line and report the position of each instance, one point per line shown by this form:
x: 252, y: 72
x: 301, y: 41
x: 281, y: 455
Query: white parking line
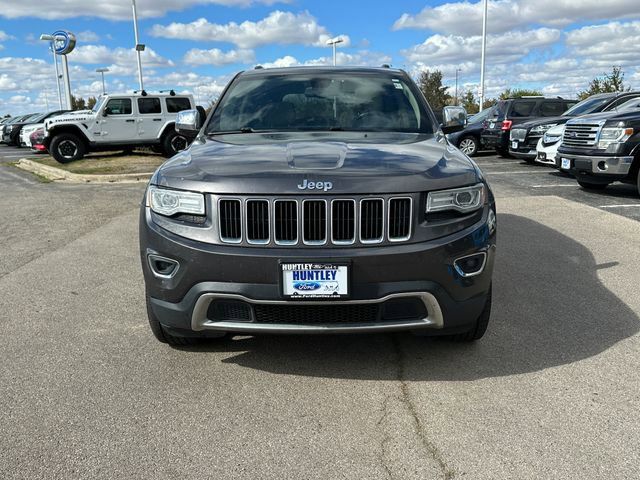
x: 508, y: 172
x: 488, y: 164
x: 556, y: 185
x: 621, y: 206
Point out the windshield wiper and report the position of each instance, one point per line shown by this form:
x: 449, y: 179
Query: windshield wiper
x: 230, y: 132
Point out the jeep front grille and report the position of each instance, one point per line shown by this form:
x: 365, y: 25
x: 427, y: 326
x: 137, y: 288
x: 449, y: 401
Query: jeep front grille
x: 314, y: 221
x: 580, y: 135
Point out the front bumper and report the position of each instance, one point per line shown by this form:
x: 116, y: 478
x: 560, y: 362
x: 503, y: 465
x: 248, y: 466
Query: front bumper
x: 609, y: 168
x: 423, y: 272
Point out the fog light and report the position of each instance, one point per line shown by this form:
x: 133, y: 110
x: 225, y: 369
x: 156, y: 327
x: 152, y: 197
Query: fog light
x: 163, y: 267
x: 471, y: 265
x: 602, y: 165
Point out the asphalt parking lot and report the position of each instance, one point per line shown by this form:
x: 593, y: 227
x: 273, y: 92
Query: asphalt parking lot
x: 550, y: 392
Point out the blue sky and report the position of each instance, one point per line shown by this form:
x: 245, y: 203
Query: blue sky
x: 196, y: 45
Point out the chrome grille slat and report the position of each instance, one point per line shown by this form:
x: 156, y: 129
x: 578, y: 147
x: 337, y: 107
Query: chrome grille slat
x: 230, y: 220
x: 257, y: 221
x: 314, y: 221
x: 581, y: 135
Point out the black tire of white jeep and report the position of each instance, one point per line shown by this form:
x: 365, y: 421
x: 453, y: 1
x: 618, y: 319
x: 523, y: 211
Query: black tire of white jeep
x: 67, y: 147
x: 173, y: 142
x: 638, y: 180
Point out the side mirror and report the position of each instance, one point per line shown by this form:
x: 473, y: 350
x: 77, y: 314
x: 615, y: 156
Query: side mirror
x: 188, y: 122
x: 454, y: 119
x: 105, y: 113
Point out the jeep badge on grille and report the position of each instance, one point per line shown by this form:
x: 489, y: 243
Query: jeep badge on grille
x: 306, y: 185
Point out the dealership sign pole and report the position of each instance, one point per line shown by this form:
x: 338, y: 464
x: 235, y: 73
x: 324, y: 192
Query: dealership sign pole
x: 64, y: 42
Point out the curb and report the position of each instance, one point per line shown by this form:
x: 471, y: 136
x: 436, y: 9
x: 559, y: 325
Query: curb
x: 57, y: 174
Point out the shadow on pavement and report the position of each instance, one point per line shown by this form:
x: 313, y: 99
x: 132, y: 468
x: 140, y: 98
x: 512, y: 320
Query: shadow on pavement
x: 549, y: 309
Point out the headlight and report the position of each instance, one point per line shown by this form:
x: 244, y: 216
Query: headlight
x: 169, y: 202
x: 611, y: 135
x: 542, y: 128
x: 547, y: 138
x: 463, y: 200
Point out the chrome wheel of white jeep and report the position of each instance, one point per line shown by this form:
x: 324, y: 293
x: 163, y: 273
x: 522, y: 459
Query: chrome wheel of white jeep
x: 67, y: 149
x: 468, y: 146
x: 179, y: 143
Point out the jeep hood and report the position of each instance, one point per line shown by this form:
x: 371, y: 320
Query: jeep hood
x: 272, y: 164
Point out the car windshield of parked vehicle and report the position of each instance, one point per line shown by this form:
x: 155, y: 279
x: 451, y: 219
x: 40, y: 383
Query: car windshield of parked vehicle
x: 483, y: 115
x: 588, y: 105
x: 320, y: 102
x: 632, y: 104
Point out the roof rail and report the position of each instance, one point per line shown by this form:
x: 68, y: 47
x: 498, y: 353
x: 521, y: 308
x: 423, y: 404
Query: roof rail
x: 171, y: 92
x: 141, y: 92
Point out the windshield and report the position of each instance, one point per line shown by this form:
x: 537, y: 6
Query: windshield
x: 483, y: 115
x: 588, y: 105
x: 629, y: 104
x: 98, y: 105
x: 320, y: 101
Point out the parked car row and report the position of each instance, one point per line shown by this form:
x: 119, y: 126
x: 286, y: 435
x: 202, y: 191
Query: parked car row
x: 596, y: 140
x: 116, y: 122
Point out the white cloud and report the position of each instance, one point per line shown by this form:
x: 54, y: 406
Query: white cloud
x: 465, y: 18
x: 507, y: 47
x: 278, y: 27
x: 88, y: 36
x: 217, y: 57
x: 361, y: 58
x: 611, y: 44
x: 111, y: 10
x: 4, y: 36
x: 99, y: 54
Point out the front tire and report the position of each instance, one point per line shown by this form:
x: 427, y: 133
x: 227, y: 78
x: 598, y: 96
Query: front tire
x: 67, y: 147
x: 173, y: 143
x: 468, y: 145
x: 592, y: 186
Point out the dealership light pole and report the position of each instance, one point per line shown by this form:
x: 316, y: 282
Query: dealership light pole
x: 49, y: 38
x: 334, y: 42
x: 139, y: 46
x: 484, y: 47
x: 102, y: 71
x: 456, y: 98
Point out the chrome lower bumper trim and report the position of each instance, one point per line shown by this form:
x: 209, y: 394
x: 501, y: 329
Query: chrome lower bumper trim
x: 614, y: 165
x: 199, y: 320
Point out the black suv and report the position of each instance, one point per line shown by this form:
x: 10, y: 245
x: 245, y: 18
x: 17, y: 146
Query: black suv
x: 468, y: 140
x: 524, y: 139
x: 603, y: 148
x: 514, y: 111
x: 318, y: 200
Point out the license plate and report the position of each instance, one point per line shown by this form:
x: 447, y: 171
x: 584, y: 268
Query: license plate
x: 542, y: 156
x: 565, y: 164
x: 492, y: 125
x: 315, y: 280
x: 514, y: 145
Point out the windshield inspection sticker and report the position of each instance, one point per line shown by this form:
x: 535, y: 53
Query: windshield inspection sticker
x: 396, y: 83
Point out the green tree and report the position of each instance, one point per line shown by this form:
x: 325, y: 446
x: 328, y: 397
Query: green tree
x: 91, y: 102
x: 519, y: 92
x: 468, y: 101
x: 78, y: 103
x: 609, y: 82
x: 431, y: 85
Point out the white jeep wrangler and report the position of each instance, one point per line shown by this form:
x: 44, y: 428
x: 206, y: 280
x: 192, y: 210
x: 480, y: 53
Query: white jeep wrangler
x: 119, y: 122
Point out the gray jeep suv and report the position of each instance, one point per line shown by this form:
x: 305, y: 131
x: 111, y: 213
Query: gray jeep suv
x: 318, y: 200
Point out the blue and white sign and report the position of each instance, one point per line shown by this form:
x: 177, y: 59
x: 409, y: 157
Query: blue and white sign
x: 64, y: 42
x: 315, y: 280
